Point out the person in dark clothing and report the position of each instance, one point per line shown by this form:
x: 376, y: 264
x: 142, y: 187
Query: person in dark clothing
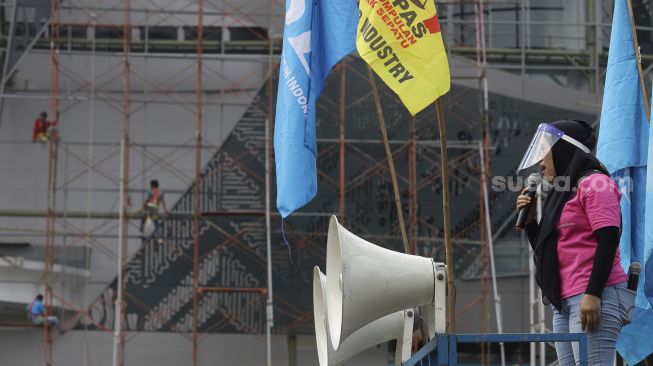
x: 576, y: 243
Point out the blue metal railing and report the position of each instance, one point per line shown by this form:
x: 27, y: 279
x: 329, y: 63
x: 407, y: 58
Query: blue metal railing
x: 442, y: 350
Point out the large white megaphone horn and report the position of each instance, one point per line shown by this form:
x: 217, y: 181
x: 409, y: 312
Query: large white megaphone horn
x: 366, y: 282
x: 398, y: 325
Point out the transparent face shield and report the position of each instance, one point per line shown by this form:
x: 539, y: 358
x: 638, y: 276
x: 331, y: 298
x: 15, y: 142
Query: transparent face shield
x: 545, y: 137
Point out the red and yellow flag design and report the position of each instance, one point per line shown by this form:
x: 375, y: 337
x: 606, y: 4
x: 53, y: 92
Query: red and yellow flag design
x: 402, y: 43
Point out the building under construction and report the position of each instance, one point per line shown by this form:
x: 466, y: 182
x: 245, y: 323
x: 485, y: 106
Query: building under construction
x: 184, y: 92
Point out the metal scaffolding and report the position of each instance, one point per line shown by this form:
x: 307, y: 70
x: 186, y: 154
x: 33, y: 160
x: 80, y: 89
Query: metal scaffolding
x: 53, y: 151
x: 161, y: 93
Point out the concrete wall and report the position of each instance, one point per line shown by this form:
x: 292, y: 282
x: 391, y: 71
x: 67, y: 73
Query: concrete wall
x: 24, y: 347
x: 21, y: 347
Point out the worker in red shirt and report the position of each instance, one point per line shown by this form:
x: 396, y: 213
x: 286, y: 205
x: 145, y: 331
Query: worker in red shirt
x: 42, y: 128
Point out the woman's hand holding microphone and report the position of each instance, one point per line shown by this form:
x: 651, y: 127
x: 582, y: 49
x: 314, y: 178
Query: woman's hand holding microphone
x: 522, y: 200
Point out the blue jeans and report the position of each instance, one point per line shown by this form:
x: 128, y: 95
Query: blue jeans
x: 616, y: 304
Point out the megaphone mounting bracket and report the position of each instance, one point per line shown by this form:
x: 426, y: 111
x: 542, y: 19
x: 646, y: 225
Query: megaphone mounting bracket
x: 437, y: 322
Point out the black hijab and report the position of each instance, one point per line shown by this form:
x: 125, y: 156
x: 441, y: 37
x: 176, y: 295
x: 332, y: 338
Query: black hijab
x: 570, y: 163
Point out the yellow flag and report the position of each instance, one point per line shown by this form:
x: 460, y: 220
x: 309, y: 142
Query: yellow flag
x: 401, y: 41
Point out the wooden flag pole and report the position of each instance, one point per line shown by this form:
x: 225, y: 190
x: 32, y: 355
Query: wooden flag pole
x: 341, y: 143
x: 639, y: 61
x: 448, y: 249
x: 391, y: 164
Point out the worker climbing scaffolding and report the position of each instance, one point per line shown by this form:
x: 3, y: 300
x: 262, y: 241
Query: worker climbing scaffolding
x: 37, y: 314
x: 152, y: 218
x: 44, y: 130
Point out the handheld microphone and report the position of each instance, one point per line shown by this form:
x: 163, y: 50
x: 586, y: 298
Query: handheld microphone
x: 633, y: 275
x: 533, y: 181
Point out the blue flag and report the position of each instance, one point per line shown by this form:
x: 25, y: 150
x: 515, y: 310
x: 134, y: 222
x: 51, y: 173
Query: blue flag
x: 317, y: 34
x: 623, y: 148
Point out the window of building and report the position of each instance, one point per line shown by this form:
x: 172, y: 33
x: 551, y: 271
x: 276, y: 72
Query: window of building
x: 110, y: 32
x: 160, y: 33
x: 210, y: 33
x: 248, y: 33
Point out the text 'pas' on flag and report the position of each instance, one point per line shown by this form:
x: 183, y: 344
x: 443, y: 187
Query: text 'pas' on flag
x: 402, y: 43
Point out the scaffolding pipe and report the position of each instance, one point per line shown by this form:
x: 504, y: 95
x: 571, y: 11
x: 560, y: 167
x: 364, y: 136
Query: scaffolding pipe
x: 198, y: 182
x: 258, y: 290
x: 119, y: 331
x: 540, y: 304
x: 91, y: 158
x: 341, y: 144
x: 53, y: 139
x: 65, y: 236
x: 488, y: 223
x: 532, y: 295
x: 9, y: 47
x: 137, y: 216
x: 590, y: 44
x: 598, y: 47
x: 451, y: 144
x: 269, y: 306
x: 487, y: 249
x: 531, y: 300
